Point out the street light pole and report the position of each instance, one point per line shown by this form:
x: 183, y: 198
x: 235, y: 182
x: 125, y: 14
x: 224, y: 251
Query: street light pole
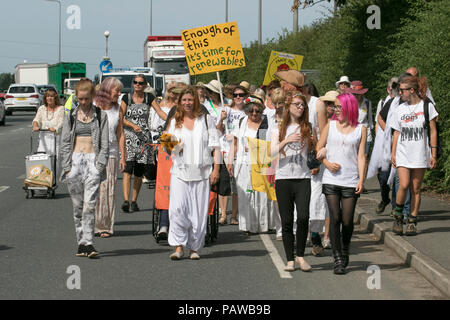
x: 151, y: 17
x: 260, y: 22
x: 107, y: 33
x: 60, y: 29
x: 226, y: 10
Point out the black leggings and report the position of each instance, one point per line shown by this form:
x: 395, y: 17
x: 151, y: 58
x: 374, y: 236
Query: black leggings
x: 341, y: 205
x: 288, y: 192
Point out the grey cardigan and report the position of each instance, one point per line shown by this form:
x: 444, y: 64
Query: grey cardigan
x: 100, y: 140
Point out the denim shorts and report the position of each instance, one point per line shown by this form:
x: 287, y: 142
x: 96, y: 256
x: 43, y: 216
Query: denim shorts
x: 344, y: 192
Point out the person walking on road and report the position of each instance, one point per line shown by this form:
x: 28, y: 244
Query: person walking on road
x: 135, y: 109
x: 193, y: 172
x: 414, y: 147
x: 291, y: 142
x: 343, y: 179
x: 84, y: 157
x: 106, y: 99
x: 50, y: 116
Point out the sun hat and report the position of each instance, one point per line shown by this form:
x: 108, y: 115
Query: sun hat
x: 214, y: 86
x: 293, y: 77
x: 357, y: 88
x: 245, y: 84
x: 254, y: 99
x: 343, y: 79
x: 330, y: 96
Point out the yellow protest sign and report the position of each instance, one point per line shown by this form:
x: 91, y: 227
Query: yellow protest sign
x: 262, y: 172
x: 281, y: 61
x: 213, y: 48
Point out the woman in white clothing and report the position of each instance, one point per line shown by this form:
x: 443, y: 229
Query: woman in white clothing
x: 106, y: 99
x: 49, y: 116
x: 254, y: 215
x: 411, y: 144
x: 291, y: 141
x: 193, y: 172
x: 343, y: 179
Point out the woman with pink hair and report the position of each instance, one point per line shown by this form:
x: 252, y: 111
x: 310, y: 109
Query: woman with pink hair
x: 106, y: 99
x: 343, y: 179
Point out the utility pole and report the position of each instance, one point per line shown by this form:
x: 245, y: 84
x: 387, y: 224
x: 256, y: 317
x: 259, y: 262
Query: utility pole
x: 151, y: 17
x: 226, y: 10
x: 295, y: 20
x: 260, y: 23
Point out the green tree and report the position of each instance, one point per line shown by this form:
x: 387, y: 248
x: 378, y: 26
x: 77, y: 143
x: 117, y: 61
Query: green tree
x: 6, y: 79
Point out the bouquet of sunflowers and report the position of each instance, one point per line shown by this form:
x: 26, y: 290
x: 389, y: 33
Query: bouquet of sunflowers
x: 168, y: 141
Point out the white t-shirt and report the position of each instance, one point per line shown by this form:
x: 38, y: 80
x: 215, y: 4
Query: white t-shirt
x: 342, y: 149
x: 113, y: 122
x: 232, y: 122
x: 413, y: 150
x: 365, y: 117
x: 292, y: 165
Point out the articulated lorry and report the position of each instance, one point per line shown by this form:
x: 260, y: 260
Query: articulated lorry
x: 62, y: 75
x: 166, y: 56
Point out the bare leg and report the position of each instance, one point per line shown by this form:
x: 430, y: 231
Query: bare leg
x: 136, y: 188
x: 416, y: 182
x: 126, y: 182
x: 404, y: 177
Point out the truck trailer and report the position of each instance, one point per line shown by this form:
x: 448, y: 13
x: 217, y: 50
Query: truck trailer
x: 36, y: 73
x: 166, y: 56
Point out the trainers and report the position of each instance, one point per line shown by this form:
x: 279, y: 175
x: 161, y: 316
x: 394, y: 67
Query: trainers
x: 317, y: 251
x: 81, y: 251
x: 162, y: 233
x: 397, y: 227
x: 411, y: 227
x: 381, y: 206
x: 134, y: 207
x: 176, y: 255
x: 126, y: 206
x: 91, y: 252
x: 194, y: 256
x: 326, y: 243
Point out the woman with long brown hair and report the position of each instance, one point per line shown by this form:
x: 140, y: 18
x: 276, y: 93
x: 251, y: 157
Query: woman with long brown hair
x: 414, y: 147
x: 193, y: 172
x: 291, y: 141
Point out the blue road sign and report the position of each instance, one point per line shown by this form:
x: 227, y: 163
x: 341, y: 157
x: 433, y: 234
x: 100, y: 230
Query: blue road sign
x: 106, y: 66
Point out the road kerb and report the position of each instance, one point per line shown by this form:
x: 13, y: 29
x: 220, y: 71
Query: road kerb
x: 427, y: 267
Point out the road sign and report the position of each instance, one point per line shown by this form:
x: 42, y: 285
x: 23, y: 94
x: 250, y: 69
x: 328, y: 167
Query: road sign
x: 106, y: 66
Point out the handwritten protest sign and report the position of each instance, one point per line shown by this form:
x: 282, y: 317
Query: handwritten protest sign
x: 281, y: 61
x: 213, y: 48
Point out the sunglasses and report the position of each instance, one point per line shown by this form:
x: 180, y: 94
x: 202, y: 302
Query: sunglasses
x: 239, y: 95
x: 403, y: 89
x: 299, y: 105
x: 337, y: 107
x: 255, y: 111
x: 141, y: 83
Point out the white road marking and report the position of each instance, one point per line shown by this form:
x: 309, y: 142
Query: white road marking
x: 276, y: 258
x: 21, y: 177
x: 3, y: 188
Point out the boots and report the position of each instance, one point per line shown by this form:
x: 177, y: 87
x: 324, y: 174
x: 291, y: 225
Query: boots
x: 338, y: 267
x: 345, y: 254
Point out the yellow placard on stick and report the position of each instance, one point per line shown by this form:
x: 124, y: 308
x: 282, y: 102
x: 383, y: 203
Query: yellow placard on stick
x: 281, y: 61
x: 213, y: 48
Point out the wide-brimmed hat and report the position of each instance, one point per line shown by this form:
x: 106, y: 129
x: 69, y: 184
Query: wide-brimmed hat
x: 214, y: 86
x: 357, y: 88
x: 293, y: 77
x: 330, y: 96
x: 343, y: 79
x: 245, y: 84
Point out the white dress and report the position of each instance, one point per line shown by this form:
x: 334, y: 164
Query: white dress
x: 254, y: 215
x: 318, y: 207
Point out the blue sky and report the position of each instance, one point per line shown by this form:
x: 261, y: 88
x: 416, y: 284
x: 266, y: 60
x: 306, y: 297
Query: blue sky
x: 29, y: 28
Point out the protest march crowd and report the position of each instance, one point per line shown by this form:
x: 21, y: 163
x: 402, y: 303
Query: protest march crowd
x: 289, y: 160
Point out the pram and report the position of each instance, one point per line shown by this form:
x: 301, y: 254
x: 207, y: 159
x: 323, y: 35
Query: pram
x: 162, y: 195
x: 41, y: 170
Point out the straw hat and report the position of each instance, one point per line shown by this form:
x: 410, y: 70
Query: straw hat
x: 245, y: 84
x: 254, y: 99
x: 341, y: 80
x: 293, y: 77
x: 214, y: 86
x: 329, y: 96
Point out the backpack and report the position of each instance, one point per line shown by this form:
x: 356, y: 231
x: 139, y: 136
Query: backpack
x: 426, y: 112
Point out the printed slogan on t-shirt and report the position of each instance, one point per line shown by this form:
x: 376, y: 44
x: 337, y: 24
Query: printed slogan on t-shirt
x: 213, y: 48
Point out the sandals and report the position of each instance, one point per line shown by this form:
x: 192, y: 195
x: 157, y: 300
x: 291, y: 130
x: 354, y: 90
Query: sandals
x: 105, y: 234
x: 223, y: 221
x: 234, y: 221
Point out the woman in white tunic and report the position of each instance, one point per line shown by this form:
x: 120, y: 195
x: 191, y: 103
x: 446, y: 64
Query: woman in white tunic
x: 411, y: 144
x: 253, y: 205
x: 193, y: 172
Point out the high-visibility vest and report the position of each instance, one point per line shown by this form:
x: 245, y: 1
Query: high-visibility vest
x: 69, y: 104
